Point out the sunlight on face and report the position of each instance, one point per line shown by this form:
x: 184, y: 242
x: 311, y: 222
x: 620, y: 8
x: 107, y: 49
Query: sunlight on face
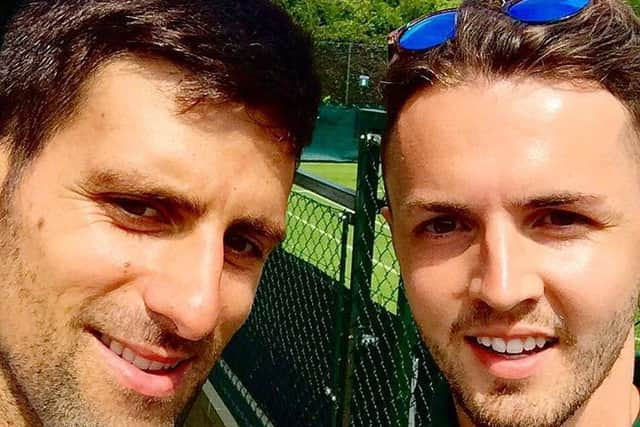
x: 132, y: 249
x: 515, y: 212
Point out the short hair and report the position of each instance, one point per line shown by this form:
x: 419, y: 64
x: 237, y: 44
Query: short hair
x: 600, y: 46
x: 246, y: 52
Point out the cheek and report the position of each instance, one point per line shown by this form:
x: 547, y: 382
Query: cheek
x: 237, y: 295
x: 435, y: 294
x: 84, y: 262
x: 590, y: 282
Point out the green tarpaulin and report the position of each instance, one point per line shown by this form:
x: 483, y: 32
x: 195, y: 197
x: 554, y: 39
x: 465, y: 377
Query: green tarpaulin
x: 335, y: 138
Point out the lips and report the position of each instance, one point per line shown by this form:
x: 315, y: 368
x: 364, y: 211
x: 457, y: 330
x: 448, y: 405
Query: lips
x: 514, y: 345
x: 138, y: 360
x: 512, y: 358
x: 132, y: 367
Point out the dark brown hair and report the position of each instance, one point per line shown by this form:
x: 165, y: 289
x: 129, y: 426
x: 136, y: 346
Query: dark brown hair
x: 245, y: 51
x: 600, y: 46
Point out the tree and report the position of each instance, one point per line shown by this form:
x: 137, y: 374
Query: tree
x: 366, y: 21
x: 345, y: 20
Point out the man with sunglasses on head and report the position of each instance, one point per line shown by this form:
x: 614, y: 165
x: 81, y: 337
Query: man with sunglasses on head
x: 512, y: 168
x: 147, y: 151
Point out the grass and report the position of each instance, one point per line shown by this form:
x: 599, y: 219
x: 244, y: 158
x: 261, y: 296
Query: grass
x: 340, y: 173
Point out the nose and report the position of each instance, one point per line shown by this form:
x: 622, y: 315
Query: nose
x: 186, y: 291
x: 507, y: 275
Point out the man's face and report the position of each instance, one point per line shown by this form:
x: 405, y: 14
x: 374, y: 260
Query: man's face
x: 131, y: 250
x: 515, y: 212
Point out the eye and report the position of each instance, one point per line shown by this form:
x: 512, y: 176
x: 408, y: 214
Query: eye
x: 136, y: 208
x: 443, y: 225
x: 560, y: 218
x: 242, y: 246
x: 137, y: 215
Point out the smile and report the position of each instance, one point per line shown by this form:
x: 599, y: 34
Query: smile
x: 136, y: 359
x: 515, y: 346
x: 149, y: 372
x: 512, y: 358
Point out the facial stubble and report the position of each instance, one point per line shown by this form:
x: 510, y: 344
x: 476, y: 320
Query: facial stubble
x: 508, y: 405
x: 41, y: 373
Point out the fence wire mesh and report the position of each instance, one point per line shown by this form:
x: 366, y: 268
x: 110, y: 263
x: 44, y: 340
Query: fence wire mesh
x: 331, y: 341
x: 285, y: 352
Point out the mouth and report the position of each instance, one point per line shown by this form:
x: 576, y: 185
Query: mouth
x: 140, y: 370
x: 512, y: 358
x: 514, y: 347
x: 139, y: 361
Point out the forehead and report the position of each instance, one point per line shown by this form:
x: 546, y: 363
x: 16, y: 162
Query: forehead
x: 509, y: 137
x: 130, y: 123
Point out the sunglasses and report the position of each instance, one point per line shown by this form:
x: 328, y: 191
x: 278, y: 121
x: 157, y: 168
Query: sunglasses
x: 435, y: 29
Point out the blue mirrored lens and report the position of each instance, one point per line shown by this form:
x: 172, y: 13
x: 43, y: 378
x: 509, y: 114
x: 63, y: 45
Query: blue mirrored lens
x: 430, y: 32
x: 545, y: 11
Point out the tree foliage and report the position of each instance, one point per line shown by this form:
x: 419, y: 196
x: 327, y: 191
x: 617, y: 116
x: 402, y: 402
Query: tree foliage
x: 366, y: 21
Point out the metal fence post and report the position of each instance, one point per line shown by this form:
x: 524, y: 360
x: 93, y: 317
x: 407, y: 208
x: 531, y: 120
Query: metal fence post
x: 347, y: 85
x: 341, y: 327
x: 406, y: 375
x: 362, y: 258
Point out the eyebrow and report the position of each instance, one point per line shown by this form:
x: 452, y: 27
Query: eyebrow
x: 141, y: 185
x: 438, y: 207
x: 578, y: 200
x: 562, y: 199
x: 260, y: 226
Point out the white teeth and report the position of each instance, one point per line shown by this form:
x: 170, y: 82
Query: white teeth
x: 515, y: 346
x: 156, y: 366
x: 128, y: 355
x: 498, y: 344
x: 142, y: 363
x: 116, y: 347
x: 529, y: 343
x: 135, y: 359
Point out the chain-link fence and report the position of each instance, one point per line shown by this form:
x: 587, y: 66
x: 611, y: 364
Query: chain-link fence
x: 285, y: 355
x: 331, y: 341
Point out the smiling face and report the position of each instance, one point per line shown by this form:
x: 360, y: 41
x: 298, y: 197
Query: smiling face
x: 515, y: 212
x: 130, y: 252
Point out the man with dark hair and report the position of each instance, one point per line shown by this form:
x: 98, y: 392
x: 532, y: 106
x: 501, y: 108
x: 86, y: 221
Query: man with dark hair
x: 511, y: 165
x: 147, y: 150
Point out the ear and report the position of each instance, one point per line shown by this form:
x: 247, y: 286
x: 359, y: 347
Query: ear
x: 386, y: 213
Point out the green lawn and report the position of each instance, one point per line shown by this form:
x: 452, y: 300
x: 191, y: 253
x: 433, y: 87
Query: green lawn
x: 340, y: 173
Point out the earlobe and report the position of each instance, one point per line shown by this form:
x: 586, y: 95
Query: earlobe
x: 386, y: 213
